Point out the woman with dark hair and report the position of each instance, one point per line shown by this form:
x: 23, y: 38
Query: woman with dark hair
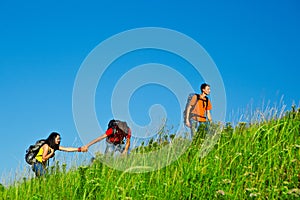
x: 46, y: 152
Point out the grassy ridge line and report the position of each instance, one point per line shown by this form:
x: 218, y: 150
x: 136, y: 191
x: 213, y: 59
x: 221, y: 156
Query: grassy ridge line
x: 259, y: 161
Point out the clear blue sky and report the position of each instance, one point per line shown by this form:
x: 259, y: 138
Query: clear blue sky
x: 255, y: 46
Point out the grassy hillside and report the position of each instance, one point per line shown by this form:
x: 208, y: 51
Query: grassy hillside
x: 251, y: 161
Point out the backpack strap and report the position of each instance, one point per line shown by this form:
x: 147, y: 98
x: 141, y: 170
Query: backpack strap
x: 206, y: 102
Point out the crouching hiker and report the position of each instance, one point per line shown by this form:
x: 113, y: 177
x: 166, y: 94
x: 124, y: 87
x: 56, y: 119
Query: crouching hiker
x: 38, y: 155
x: 116, y: 133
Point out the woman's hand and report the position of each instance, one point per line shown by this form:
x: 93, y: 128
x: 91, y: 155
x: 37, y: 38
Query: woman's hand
x: 51, y: 152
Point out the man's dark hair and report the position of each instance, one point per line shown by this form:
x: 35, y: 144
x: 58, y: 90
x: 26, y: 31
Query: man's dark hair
x: 51, y: 140
x: 203, y: 86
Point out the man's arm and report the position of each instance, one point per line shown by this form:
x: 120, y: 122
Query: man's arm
x: 187, y: 119
x: 98, y: 139
x: 127, y: 145
x: 208, y: 114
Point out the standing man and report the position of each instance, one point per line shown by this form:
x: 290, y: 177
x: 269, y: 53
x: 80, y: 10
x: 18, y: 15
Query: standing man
x: 198, y: 111
x: 115, y: 134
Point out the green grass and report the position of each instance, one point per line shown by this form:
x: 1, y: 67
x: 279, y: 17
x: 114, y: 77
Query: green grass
x: 257, y: 161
